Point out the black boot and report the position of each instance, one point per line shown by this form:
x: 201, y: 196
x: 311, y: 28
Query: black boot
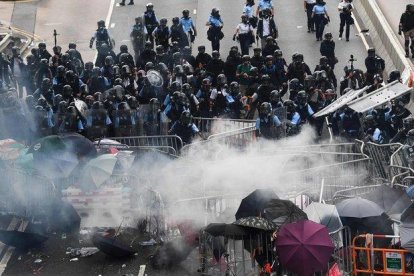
x: 131, y: 2
x: 122, y: 3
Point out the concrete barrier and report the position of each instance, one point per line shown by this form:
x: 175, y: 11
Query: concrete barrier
x: 383, y: 38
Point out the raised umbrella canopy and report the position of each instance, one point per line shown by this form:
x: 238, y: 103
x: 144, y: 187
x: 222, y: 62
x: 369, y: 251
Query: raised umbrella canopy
x: 282, y: 211
x: 99, y: 169
x: 254, y: 203
x: 53, y: 157
x: 358, y: 207
x: 325, y: 214
x: 393, y: 201
x: 407, y: 236
x: 80, y: 145
x: 256, y: 224
x: 304, y: 247
x: 226, y: 230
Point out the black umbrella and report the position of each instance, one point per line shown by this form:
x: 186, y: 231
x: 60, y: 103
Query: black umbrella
x: 358, y: 207
x: 226, y: 230
x: 21, y: 240
x: 52, y: 157
x: 256, y: 223
x: 254, y: 203
x: 393, y: 201
x: 63, y: 217
x: 283, y: 211
x: 111, y: 246
x: 80, y: 145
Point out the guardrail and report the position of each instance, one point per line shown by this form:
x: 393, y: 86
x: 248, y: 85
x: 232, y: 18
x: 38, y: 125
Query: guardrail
x: 384, y: 39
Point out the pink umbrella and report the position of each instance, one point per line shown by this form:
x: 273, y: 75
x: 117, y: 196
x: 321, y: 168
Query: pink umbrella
x: 304, y: 247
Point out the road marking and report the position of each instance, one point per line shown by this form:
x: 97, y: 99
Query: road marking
x: 142, y: 270
x: 53, y: 24
x: 362, y: 35
x: 9, y: 251
x: 112, y: 25
x: 107, y: 21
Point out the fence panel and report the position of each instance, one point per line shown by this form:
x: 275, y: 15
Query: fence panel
x: 170, y: 144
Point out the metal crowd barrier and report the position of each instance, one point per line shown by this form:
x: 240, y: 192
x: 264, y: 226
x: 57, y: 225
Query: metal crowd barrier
x: 342, y: 255
x: 211, y: 126
x: 170, y: 144
x: 368, y: 259
x: 353, y: 192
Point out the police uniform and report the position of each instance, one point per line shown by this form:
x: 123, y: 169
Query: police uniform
x: 214, y: 33
x: 245, y: 32
x: 345, y: 15
x: 319, y: 12
x: 266, y: 127
x: 309, y: 4
x: 150, y: 22
x: 188, y: 27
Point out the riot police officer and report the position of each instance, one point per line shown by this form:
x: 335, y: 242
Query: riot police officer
x: 150, y: 21
x: 101, y: 36
x: 214, y: 33
x: 328, y: 50
x: 138, y: 37
x: 345, y: 13
x: 268, y: 124
x: 374, y: 64
x: 185, y: 128
x: 406, y: 27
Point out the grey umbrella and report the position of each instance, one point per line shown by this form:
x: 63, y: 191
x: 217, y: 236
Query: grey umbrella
x: 358, y: 208
x: 407, y: 236
x: 325, y: 214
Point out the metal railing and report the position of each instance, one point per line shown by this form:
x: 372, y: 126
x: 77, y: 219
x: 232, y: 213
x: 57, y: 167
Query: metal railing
x: 170, y: 144
x: 212, y: 126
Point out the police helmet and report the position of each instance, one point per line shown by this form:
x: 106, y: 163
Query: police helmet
x: 149, y: 66
x: 244, y: 17
x: 294, y: 84
x: 178, y: 70
x: 245, y: 58
x: 289, y: 104
x: 328, y: 36
x: 275, y: 96
x: 46, y: 83
x: 186, y: 12
x: 302, y: 97
x: 369, y: 121
x: 201, y: 48
x: 265, y: 78
x: 163, y: 21
x: 101, y: 23
x: 97, y: 105
x: 62, y: 106
x: 278, y: 53
x: 254, y: 71
x: 42, y: 45
x: 221, y: 79
x: 410, y: 137
x: 408, y: 123
x: 109, y: 60
x: 234, y: 88
x: 175, y: 86
x: 176, y: 20
x: 187, y: 89
x: 123, y: 48
x: 149, y: 5
x: 206, y: 83
x: 67, y: 90
x: 42, y: 102
x: 265, y: 109
x: 323, y: 60
x: 371, y: 52
x: 215, y: 54
x: 257, y: 50
x: 394, y: 75
x: 72, y: 45
x: 125, y: 69
x: 148, y: 45
x: 215, y: 11
x: 269, y: 58
x: 98, y: 96
x: 57, y: 50
x: 186, y: 118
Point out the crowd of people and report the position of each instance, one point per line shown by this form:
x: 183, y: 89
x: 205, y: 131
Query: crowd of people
x: 161, y: 81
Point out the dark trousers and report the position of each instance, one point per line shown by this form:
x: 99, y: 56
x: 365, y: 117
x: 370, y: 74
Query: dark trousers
x: 244, y: 43
x: 319, y: 24
x: 311, y: 23
x: 344, y: 21
x: 215, y: 44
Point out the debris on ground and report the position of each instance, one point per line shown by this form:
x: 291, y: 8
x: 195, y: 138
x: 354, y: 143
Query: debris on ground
x: 81, y: 252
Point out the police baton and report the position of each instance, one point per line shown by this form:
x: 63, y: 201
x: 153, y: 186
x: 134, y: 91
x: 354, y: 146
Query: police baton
x: 55, y: 34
